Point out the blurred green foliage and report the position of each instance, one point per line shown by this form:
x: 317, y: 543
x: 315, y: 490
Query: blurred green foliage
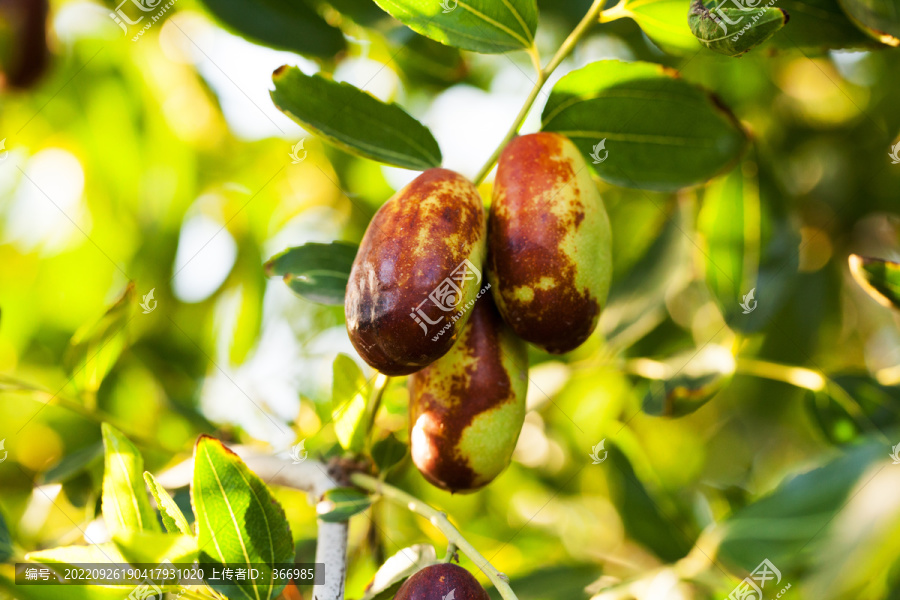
x: 160, y: 164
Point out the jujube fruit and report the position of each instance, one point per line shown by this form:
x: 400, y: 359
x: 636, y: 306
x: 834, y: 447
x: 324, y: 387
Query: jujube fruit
x: 420, y: 258
x: 437, y: 581
x: 549, y: 244
x: 466, y: 410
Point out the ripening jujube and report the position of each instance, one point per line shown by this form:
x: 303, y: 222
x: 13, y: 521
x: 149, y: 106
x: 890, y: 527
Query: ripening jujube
x: 467, y: 408
x: 436, y: 582
x: 549, y: 243
x: 420, y: 238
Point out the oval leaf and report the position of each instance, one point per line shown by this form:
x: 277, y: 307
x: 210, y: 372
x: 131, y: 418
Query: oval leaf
x: 315, y: 272
x: 340, y: 504
x: 663, y: 22
x: 880, y: 278
x: 155, y: 548
x: 783, y: 523
x: 878, y: 18
x: 125, y: 505
x: 238, y: 520
x: 355, y: 121
x: 172, y: 517
x: 349, y: 391
x: 642, y: 127
x: 819, y: 24
x: 388, y: 452
x: 96, y: 346
x: 487, y: 26
x: 734, y: 31
x: 750, y: 253
x: 689, y: 381
x: 292, y: 26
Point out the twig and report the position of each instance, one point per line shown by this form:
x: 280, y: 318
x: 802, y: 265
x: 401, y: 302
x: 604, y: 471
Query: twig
x: 439, y: 520
x: 543, y: 75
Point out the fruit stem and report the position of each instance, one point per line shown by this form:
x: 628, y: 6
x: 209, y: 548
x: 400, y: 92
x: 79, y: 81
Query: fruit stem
x: 616, y: 12
x: 374, y: 403
x: 451, y: 553
x: 543, y: 75
x: 439, y: 520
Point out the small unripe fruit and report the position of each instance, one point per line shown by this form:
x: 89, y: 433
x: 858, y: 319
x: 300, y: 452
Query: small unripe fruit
x: 437, y: 581
x: 549, y: 244
x: 466, y: 410
x: 420, y: 259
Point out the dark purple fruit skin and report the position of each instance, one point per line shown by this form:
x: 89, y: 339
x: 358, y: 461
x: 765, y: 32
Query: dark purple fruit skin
x: 437, y: 581
x: 413, y: 243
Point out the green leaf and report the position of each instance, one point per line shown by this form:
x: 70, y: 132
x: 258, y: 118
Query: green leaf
x: 172, y: 517
x: 818, y: 24
x: 388, y: 452
x: 783, y: 523
x: 660, y: 132
x: 638, y: 300
x: 425, y: 60
x: 316, y: 272
x: 878, y: 18
x: 395, y: 570
x: 355, y: 121
x: 348, y: 399
x: 95, y: 347
x: 640, y: 513
x: 339, y: 504
x: 880, y: 278
x: 74, y: 463
x: 142, y: 547
x: 852, y: 404
x: 292, y: 26
x: 663, y: 22
x: 6, y: 549
x: 238, y: 520
x: 64, y: 592
x: 125, y: 504
x: 688, y: 381
x: 487, y: 26
x: 750, y: 254
x: 733, y: 31
x: 72, y: 555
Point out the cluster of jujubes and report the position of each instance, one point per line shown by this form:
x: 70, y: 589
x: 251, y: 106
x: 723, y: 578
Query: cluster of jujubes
x: 417, y: 302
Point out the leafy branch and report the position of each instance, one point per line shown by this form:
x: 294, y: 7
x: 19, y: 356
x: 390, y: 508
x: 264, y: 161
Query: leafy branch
x: 543, y: 74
